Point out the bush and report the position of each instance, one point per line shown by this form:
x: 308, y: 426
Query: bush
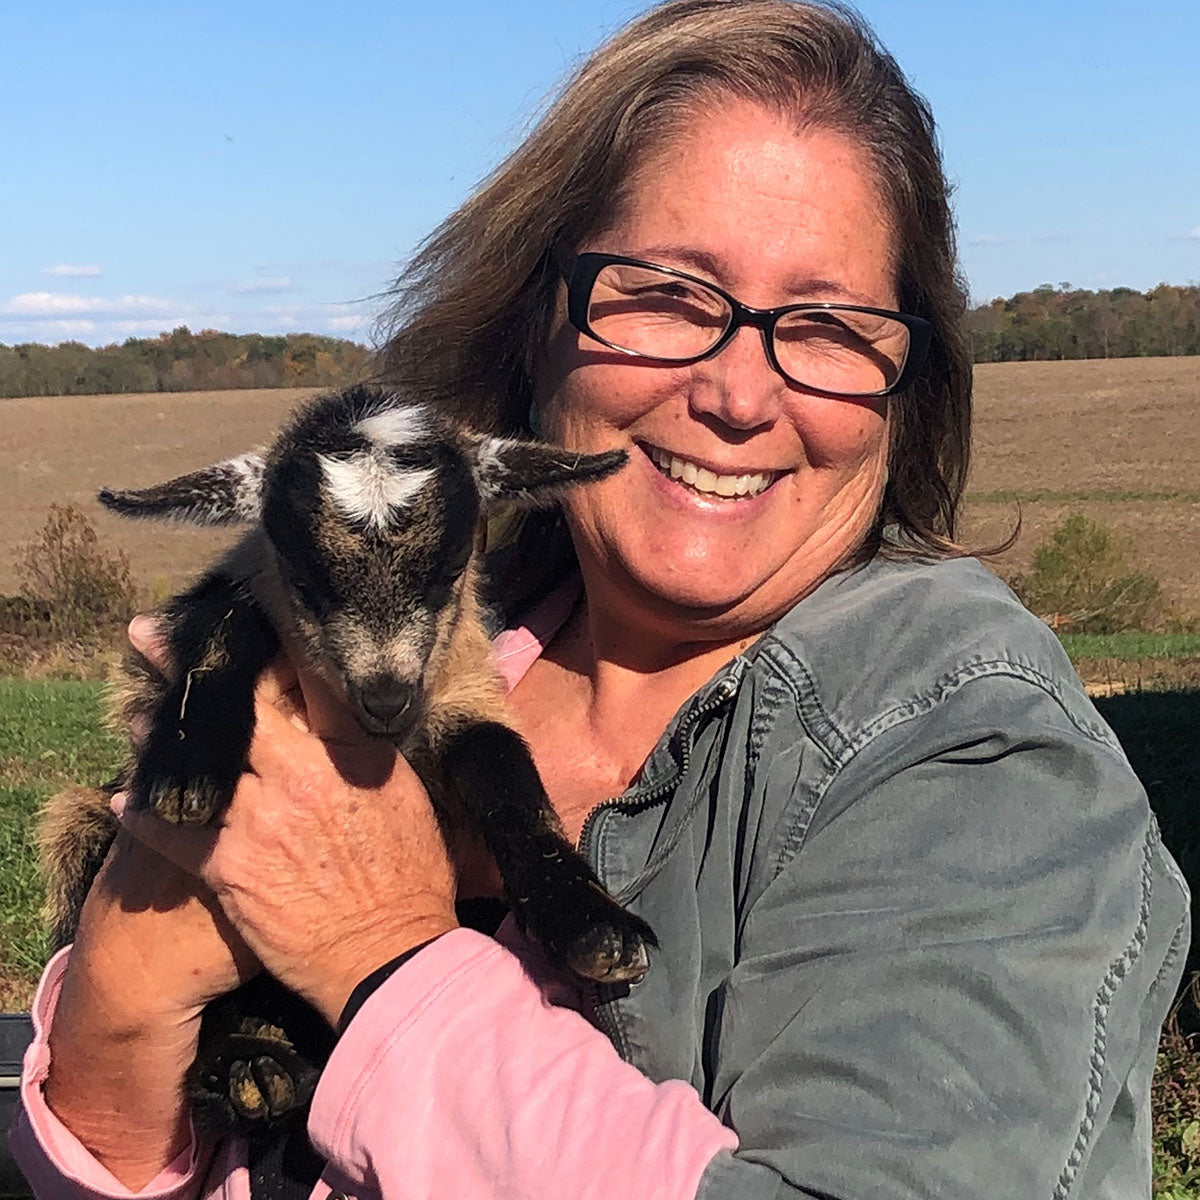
x: 82, y: 590
x: 1082, y: 581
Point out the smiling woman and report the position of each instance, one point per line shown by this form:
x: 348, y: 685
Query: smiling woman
x: 917, y: 930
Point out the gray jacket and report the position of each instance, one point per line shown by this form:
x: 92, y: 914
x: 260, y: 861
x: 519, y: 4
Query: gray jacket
x: 918, y: 928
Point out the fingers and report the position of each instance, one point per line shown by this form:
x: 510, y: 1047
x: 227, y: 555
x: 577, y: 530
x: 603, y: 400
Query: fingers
x: 146, y: 637
x: 329, y: 715
x: 279, y: 686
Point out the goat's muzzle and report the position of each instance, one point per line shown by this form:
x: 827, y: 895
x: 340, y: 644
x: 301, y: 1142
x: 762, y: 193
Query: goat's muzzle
x: 386, y: 706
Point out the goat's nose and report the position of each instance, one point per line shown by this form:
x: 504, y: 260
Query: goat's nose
x: 386, y: 698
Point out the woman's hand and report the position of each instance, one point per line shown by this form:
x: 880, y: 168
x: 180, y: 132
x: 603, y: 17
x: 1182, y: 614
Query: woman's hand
x: 329, y: 861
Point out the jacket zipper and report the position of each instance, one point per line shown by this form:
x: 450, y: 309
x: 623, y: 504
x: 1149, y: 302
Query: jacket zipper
x: 602, y: 994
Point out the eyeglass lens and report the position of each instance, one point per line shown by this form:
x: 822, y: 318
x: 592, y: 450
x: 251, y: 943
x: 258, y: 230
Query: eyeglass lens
x: 662, y: 316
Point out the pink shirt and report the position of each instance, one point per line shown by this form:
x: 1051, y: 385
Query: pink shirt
x: 469, y: 1073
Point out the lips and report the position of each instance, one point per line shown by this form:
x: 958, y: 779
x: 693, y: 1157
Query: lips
x: 707, y: 482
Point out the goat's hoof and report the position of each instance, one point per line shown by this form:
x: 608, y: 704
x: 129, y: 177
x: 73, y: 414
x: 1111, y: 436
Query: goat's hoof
x: 609, y: 953
x: 260, y: 1088
x: 192, y: 801
x: 250, y: 1083
x: 587, y: 931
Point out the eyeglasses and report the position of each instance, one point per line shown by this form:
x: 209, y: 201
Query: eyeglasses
x: 649, y: 311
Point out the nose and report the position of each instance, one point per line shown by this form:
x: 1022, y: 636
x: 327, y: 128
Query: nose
x: 386, y: 699
x: 738, y: 385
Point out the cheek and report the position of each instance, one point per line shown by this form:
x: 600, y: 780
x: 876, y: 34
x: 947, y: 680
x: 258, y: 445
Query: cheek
x: 583, y: 388
x: 837, y: 433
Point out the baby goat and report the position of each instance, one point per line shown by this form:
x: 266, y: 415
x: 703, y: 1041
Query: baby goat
x: 360, y: 557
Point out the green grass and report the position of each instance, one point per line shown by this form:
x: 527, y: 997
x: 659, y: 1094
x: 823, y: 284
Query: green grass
x: 51, y: 734
x: 1130, y: 646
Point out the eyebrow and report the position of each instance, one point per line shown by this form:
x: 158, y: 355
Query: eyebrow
x: 701, y: 260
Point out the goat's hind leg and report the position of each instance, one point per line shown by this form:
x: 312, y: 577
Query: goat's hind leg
x: 218, y: 641
x: 75, y: 829
x: 259, y: 1058
x: 554, y: 894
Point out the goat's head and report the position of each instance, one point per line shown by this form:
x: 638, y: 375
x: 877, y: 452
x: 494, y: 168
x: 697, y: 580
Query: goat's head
x: 370, y: 506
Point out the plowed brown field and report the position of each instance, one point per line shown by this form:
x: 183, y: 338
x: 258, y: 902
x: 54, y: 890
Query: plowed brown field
x: 63, y: 449
x: 1118, y: 439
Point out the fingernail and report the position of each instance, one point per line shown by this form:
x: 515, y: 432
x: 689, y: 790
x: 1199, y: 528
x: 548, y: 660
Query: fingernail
x: 118, y: 803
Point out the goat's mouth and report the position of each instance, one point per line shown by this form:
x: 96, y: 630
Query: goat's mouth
x: 387, y: 709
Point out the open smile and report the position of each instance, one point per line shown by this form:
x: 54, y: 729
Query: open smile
x: 708, y: 482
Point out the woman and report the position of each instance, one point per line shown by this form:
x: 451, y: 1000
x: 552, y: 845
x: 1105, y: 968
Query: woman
x: 918, y: 932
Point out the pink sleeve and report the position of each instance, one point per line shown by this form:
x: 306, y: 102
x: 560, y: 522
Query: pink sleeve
x: 59, y: 1167
x: 459, y: 1077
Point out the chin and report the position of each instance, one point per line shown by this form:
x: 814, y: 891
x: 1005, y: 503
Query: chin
x: 704, y: 595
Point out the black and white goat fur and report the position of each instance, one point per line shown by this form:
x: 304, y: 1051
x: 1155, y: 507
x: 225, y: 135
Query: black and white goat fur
x: 361, y: 558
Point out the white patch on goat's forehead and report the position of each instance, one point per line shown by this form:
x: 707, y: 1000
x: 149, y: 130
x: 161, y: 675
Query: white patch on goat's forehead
x: 367, y: 487
x: 396, y: 426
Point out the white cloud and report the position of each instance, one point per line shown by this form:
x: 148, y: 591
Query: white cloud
x: 345, y: 324
x: 48, y: 304
x: 74, y: 271
x: 1193, y: 233
x: 259, y: 286
x: 986, y: 239
x: 73, y: 327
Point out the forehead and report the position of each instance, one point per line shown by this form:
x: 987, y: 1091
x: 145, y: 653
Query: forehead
x: 772, y: 212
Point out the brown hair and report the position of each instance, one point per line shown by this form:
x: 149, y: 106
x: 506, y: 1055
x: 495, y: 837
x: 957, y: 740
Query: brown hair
x: 472, y: 307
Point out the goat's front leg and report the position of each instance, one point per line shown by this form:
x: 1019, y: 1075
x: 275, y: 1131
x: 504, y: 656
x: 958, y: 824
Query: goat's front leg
x: 219, y: 641
x: 554, y: 894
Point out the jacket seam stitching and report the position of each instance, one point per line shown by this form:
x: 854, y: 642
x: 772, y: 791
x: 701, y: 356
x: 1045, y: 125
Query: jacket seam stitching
x: 910, y: 709
x: 1177, y: 939
x: 1118, y: 970
x: 949, y: 683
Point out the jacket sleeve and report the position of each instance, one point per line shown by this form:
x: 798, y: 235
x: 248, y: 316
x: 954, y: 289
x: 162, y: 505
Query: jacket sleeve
x: 951, y: 986
x: 459, y: 1076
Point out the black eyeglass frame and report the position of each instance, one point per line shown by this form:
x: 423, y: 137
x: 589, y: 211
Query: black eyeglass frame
x: 580, y: 271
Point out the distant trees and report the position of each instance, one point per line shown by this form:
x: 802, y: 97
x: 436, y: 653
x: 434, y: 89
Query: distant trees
x: 1066, y: 322
x: 181, y: 361
x: 1049, y: 322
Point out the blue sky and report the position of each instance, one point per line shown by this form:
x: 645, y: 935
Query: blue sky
x: 263, y: 166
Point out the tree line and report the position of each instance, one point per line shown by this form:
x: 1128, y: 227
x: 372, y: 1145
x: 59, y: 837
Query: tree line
x: 1046, y: 323
x: 1066, y: 322
x: 181, y: 361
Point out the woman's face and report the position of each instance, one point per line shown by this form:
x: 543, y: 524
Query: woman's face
x: 774, y: 217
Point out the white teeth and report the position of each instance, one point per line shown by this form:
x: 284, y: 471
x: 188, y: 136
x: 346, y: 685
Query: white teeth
x: 709, y: 482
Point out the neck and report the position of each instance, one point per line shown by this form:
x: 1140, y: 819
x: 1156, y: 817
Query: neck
x: 640, y: 666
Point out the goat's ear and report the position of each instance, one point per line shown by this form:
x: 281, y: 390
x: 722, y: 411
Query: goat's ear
x: 536, y: 473
x: 227, y: 493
